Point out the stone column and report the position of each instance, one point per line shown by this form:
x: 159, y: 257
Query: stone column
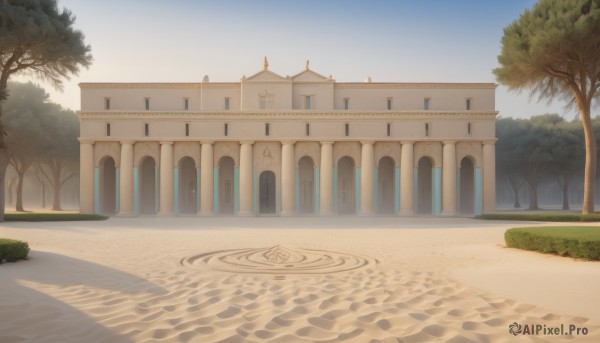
x: 246, y: 191
x: 406, y: 179
x: 449, y: 179
x: 489, y: 176
x: 288, y: 179
x: 86, y: 177
x: 126, y: 177
x: 325, y: 179
x: 206, y: 179
x: 367, y: 166
x: 166, y: 179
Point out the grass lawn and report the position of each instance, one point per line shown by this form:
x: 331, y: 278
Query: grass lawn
x: 50, y: 216
x: 542, y: 217
x: 575, y: 241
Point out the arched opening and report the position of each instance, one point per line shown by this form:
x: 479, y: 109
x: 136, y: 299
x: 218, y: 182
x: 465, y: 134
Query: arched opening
x: 306, y: 167
x: 424, y: 186
x: 188, y: 203
x: 108, y: 186
x: 346, y: 203
x: 467, y: 186
x: 267, y: 197
x: 226, y: 185
x: 386, y: 185
x: 147, y: 186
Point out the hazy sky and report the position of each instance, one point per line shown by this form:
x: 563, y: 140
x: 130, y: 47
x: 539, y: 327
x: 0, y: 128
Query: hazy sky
x: 391, y: 41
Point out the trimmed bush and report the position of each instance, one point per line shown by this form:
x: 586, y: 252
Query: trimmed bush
x: 575, y: 241
x: 51, y: 217
x: 12, y: 250
x: 542, y: 217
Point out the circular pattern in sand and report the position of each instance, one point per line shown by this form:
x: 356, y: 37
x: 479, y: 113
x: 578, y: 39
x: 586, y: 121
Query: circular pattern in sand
x: 278, y: 260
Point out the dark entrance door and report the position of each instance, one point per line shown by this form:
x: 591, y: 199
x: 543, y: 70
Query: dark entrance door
x: 267, y: 192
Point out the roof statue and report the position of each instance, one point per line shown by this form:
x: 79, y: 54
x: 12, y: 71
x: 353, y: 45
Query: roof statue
x: 266, y: 63
x: 307, y: 61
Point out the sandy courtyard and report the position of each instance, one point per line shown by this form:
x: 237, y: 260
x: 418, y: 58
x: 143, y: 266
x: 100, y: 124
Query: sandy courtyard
x: 406, y: 280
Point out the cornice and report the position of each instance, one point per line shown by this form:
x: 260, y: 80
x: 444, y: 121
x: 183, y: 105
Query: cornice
x: 138, y: 85
x: 271, y: 115
x: 172, y: 140
x: 398, y: 85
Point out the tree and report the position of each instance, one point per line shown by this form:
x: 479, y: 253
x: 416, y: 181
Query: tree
x: 36, y: 38
x: 507, y: 131
x: 552, y: 50
x: 568, y: 157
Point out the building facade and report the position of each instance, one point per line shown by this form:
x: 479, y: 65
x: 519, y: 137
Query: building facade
x: 293, y: 145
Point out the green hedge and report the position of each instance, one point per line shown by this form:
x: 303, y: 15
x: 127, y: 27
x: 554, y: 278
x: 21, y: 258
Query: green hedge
x: 12, y: 250
x: 542, y: 217
x: 50, y: 217
x: 575, y: 241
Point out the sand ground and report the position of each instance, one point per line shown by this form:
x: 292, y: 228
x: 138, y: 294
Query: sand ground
x: 435, y: 280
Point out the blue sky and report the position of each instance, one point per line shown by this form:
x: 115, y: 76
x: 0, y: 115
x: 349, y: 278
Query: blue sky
x: 391, y: 41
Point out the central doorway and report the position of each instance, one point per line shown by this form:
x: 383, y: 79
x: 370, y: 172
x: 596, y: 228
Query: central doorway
x: 267, y: 198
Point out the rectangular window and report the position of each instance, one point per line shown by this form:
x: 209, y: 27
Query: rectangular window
x: 468, y: 104
x: 307, y: 129
x: 226, y: 129
x: 146, y: 130
x: 426, y: 104
x: 469, y: 129
x: 389, y: 129
x: 265, y: 102
x: 346, y: 103
x: 108, y: 129
x: 107, y: 104
x: 147, y: 103
x: 347, y: 129
x: 426, y: 129
x: 389, y: 103
x: 226, y: 104
x: 187, y: 130
x: 308, y: 102
x: 186, y: 104
x: 266, y: 129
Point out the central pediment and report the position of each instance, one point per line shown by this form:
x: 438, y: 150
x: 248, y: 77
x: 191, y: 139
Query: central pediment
x: 309, y: 76
x: 266, y: 76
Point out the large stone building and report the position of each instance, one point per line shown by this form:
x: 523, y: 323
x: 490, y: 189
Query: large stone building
x: 274, y: 145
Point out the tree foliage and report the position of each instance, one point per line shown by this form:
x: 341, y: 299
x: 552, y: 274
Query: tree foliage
x: 553, y: 50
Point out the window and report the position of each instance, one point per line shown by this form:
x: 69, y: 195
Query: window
x: 426, y: 129
x: 426, y: 104
x: 389, y: 103
x: 266, y: 129
x: 146, y: 130
x: 308, y: 102
x: 226, y: 104
x: 147, y: 103
x: 468, y: 104
x: 265, y: 102
x: 469, y: 129
x: 347, y: 129
x: 226, y: 129
x: 186, y: 104
x: 108, y: 129
x: 187, y: 130
x: 389, y: 129
x: 107, y: 104
x: 346, y: 103
x: 307, y: 129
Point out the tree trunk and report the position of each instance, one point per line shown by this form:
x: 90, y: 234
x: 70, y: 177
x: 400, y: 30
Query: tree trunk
x: 19, y: 206
x: 589, y: 178
x: 3, y: 166
x: 57, y: 186
x: 565, y: 191
x: 533, y: 201
x: 43, y: 195
x: 515, y: 189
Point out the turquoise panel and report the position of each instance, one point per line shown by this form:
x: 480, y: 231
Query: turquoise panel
x: 198, y: 195
x: 478, y: 193
x: 335, y: 186
x: 254, y: 191
x: 236, y: 189
x: 397, y: 189
x: 317, y: 192
x: 357, y: 188
x: 176, y: 191
x: 136, y: 195
x: 118, y: 192
x: 415, y: 189
x: 157, y: 187
x: 216, y: 190
x: 297, y: 190
x: 436, y: 174
x: 376, y: 189
x: 97, y: 190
